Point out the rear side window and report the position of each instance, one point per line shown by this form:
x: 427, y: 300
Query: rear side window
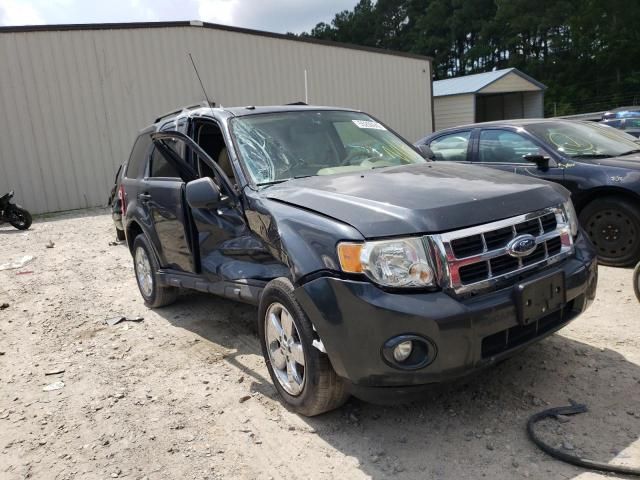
x: 160, y: 167
x: 136, y: 164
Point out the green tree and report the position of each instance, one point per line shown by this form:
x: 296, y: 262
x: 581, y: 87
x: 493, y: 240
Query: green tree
x: 586, y: 51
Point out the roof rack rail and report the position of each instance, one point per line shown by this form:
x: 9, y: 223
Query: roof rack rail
x: 175, y: 112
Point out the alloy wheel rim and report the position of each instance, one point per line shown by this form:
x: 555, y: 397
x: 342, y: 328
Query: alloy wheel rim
x: 143, y: 272
x: 285, y: 349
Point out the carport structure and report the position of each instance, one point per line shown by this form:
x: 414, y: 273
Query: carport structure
x: 499, y: 95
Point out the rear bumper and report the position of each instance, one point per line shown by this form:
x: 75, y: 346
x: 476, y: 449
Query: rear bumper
x: 354, y: 319
x: 117, y: 220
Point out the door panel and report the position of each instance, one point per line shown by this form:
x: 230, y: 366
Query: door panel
x: 165, y: 203
x: 503, y: 150
x: 164, y: 200
x: 226, y: 249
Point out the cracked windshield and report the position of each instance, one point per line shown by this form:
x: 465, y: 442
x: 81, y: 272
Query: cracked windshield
x: 282, y: 146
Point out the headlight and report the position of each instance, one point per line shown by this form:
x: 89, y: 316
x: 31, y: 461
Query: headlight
x: 390, y: 263
x: 572, y: 217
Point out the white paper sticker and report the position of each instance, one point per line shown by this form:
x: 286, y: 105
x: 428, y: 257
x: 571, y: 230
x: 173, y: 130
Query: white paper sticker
x: 368, y: 124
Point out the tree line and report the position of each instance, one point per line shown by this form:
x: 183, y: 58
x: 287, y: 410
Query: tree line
x: 587, y: 52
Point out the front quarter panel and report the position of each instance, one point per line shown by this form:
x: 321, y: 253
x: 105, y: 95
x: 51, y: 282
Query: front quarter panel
x: 302, y: 240
x: 583, y: 179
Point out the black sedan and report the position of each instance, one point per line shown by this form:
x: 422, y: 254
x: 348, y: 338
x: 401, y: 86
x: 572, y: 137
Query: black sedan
x: 598, y: 164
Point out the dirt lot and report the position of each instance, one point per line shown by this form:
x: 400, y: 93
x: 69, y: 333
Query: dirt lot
x: 185, y: 394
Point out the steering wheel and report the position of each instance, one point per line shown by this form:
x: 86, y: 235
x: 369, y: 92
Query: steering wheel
x: 359, y: 152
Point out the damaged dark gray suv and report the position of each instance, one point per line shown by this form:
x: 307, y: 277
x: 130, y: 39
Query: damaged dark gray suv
x: 376, y: 272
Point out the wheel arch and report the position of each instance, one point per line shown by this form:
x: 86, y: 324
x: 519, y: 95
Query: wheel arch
x: 600, y: 192
x: 133, y: 230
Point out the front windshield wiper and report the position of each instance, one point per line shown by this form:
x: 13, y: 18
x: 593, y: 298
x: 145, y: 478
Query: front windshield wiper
x: 282, y: 180
x: 592, y: 155
x: 630, y: 152
x: 273, y: 182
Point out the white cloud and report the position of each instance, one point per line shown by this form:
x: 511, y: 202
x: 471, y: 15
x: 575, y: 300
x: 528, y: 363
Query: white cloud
x: 15, y: 12
x: 271, y: 15
x: 218, y: 11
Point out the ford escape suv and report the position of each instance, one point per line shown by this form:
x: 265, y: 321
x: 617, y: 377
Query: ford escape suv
x: 375, y: 272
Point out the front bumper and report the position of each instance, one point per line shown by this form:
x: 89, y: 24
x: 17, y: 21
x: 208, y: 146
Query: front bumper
x: 355, y: 318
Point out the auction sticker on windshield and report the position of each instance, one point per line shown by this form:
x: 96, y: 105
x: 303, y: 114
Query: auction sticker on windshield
x: 368, y: 124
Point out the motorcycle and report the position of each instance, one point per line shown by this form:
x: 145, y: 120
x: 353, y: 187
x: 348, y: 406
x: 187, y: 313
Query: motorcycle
x: 14, y: 214
x: 636, y: 281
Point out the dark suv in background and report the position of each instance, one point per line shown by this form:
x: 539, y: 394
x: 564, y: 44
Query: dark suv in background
x: 375, y: 272
x: 599, y: 165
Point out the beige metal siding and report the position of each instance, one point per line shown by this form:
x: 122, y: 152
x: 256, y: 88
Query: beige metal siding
x: 454, y: 110
x: 511, y: 82
x: 71, y: 102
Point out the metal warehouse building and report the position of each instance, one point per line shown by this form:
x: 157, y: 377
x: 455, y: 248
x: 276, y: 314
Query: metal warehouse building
x: 72, y: 97
x: 497, y: 95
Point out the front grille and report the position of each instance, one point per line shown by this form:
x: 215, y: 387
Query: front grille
x: 472, y: 257
x: 474, y: 272
x: 467, y: 246
x: 549, y: 222
x: 497, y: 238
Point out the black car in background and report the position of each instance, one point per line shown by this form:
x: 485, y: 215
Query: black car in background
x: 599, y: 165
x: 375, y: 271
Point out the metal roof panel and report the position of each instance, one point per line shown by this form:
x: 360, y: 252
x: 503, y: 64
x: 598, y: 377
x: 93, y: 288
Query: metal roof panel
x: 475, y: 83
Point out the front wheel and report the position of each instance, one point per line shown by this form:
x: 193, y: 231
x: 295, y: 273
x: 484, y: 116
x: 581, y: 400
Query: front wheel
x: 636, y: 281
x: 146, y: 267
x: 302, y: 375
x: 613, y: 225
x: 19, y: 218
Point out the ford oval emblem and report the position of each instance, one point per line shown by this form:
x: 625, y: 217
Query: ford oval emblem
x: 521, y: 246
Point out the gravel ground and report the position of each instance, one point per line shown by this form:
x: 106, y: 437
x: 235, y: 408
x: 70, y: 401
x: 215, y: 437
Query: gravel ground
x: 184, y: 394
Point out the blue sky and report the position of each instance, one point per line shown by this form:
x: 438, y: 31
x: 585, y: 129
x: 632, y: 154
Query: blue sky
x: 272, y: 15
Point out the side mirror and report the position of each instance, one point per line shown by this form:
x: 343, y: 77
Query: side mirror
x: 203, y: 193
x: 542, y: 161
x: 426, y: 152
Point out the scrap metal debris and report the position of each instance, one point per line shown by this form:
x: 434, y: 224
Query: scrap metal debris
x: 53, y: 386
x: 55, y: 372
x: 50, y: 244
x: 14, y: 264
x: 115, y: 320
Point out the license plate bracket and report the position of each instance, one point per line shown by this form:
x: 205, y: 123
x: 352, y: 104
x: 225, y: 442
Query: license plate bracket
x: 539, y: 297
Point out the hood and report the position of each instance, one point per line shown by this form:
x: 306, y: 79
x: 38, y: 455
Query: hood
x: 628, y: 161
x: 416, y: 199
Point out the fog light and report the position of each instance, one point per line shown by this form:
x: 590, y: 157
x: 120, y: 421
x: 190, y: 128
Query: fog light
x: 402, y: 351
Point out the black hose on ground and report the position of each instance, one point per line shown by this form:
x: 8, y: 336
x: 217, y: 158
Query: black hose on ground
x: 572, y: 409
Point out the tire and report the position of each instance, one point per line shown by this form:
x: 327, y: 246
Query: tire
x: 20, y: 218
x: 147, y: 275
x: 120, y: 235
x: 636, y: 281
x: 320, y: 388
x: 613, y: 225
